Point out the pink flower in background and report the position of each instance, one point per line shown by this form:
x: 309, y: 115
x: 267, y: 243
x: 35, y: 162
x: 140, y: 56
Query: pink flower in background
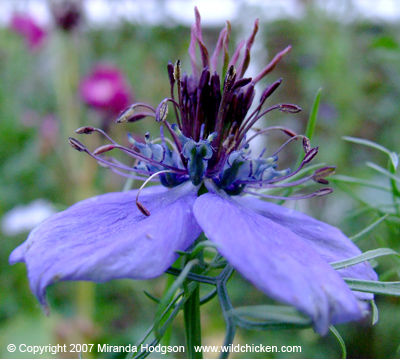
x: 106, y: 89
x: 26, y: 26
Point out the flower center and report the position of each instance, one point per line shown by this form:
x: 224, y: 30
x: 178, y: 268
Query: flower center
x: 208, y: 136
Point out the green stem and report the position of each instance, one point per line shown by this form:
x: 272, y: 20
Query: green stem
x: 166, y: 339
x: 191, y: 312
x: 395, y: 191
x: 79, y: 170
x: 85, y: 300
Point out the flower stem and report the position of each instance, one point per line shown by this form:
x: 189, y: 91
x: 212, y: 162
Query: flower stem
x: 78, y: 184
x: 191, y: 312
x: 85, y: 300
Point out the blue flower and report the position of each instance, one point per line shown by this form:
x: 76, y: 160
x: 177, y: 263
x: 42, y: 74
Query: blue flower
x: 209, y: 181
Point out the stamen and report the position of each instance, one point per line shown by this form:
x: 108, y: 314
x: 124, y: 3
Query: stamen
x: 279, y: 185
x: 142, y: 208
x: 230, y: 142
x: 161, y: 115
x: 123, y: 174
x: 229, y: 79
x: 247, y: 124
x: 317, y: 193
x: 307, y: 158
x: 139, y: 205
x: 177, y: 71
x: 77, y: 145
x: 103, y: 162
x: 323, y: 191
x: 320, y: 174
x: 112, y: 162
x: 140, y: 116
x: 286, y: 143
x: 272, y: 128
x: 162, y: 110
x: 306, y: 144
x: 103, y: 149
x: 170, y: 69
x: 171, y: 74
x: 137, y: 155
x: 310, y: 155
x: 176, y: 139
x: 89, y: 130
x: 254, y: 113
x: 289, y: 108
x: 127, y: 114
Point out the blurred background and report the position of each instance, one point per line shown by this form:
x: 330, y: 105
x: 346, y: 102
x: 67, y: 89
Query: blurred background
x: 65, y: 64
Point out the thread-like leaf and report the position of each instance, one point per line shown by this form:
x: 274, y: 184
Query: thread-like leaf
x: 364, y: 257
x: 386, y: 288
x: 169, y: 296
x: 369, y: 228
x: 383, y: 171
x: 394, y: 158
x: 359, y: 181
x: 340, y: 340
x: 269, y: 315
x: 312, y: 120
x: 375, y: 312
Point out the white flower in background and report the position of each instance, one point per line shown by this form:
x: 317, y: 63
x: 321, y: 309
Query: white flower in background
x: 23, y: 218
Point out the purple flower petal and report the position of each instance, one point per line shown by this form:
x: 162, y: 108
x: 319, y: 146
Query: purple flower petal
x: 277, y: 261
x: 107, y: 237
x: 325, y: 239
